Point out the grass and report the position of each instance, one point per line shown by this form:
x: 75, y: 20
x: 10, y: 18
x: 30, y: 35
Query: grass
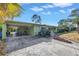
x: 73, y: 36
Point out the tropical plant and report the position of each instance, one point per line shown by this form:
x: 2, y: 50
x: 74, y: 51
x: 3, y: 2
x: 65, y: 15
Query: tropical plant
x: 75, y: 17
x: 7, y: 12
x: 65, y: 25
x: 36, y: 18
x: 62, y: 23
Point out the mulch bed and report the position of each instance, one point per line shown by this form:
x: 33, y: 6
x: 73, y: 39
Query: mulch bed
x: 73, y: 36
x: 56, y: 37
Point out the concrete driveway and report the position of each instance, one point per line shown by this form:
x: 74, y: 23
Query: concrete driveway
x: 41, y: 47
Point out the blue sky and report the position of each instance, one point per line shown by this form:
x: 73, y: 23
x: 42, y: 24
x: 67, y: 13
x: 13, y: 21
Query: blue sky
x: 50, y: 13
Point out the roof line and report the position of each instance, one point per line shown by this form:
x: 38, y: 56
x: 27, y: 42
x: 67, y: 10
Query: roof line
x: 27, y: 23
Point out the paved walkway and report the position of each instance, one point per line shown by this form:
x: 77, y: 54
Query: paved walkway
x: 41, y: 47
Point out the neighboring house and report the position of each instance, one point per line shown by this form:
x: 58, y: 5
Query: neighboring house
x: 30, y: 28
x: 71, y: 25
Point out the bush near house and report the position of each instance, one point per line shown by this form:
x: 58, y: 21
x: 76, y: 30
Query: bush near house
x: 65, y: 30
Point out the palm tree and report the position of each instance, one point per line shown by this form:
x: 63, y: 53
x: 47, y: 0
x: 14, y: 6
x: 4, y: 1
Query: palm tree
x: 75, y: 17
x: 36, y: 18
x: 8, y: 11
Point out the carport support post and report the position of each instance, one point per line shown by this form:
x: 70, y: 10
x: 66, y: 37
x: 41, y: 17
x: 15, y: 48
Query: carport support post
x: 4, y: 28
x: 34, y: 30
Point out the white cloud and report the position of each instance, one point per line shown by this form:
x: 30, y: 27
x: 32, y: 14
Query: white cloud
x: 48, y: 6
x: 37, y: 9
x: 46, y: 13
x: 44, y: 6
x: 41, y: 8
x: 62, y: 11
x: 62, y: 5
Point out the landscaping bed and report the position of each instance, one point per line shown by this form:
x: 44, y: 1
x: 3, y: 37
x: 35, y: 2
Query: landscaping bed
x: 73, y: 36
x: 2, y: 48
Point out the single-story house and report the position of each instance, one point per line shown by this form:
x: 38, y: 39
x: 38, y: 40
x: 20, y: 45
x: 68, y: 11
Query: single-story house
x: 30, y: 28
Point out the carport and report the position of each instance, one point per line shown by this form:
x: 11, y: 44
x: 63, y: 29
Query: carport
x: 20, y: 27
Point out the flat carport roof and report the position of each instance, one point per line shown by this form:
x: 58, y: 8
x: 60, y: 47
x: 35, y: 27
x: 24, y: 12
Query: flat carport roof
x: 17, y: 23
